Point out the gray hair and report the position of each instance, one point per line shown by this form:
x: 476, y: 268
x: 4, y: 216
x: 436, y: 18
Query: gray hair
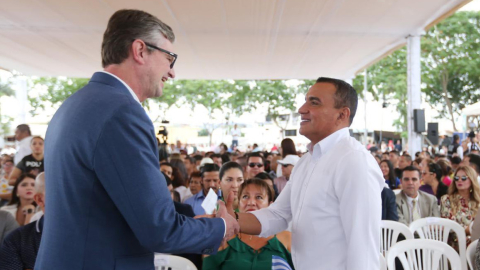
x: 124, y: 27
x: 40, y: 183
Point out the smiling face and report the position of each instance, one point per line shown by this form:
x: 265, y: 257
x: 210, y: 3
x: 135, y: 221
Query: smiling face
x: 385, y: 169
x: 319, y: 116
x: 253, y: 198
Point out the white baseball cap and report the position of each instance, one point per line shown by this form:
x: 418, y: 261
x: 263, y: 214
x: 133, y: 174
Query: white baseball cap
x: 289, y: 160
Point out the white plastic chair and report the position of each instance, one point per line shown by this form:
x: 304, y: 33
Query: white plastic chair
x: 172, y: 262
x: 389, y: 234
x: 438, y: 229
x: 471, y: 254
x: 397, y: 191
x: 383, y: 262
x: 423, y: 254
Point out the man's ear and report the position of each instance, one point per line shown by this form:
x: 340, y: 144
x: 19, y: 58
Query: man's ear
x: 344, y: 115
x: 39, y: 199
x: 138, y: 49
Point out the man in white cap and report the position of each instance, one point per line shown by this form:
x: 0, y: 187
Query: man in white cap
x: 287, y: 166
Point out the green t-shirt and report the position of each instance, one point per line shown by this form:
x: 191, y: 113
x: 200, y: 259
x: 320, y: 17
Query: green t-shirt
x: 240, y: 256
x: 223, y: 200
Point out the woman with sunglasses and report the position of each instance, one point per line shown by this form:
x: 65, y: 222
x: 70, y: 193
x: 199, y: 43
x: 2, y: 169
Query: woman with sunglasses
x: 287, y: 148
x: 462, y: 201
x: 246, y: 251
x: 432, y: 179
x: 231, y: 178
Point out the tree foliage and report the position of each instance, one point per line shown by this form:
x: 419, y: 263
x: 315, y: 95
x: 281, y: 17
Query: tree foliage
x: 450, y: 69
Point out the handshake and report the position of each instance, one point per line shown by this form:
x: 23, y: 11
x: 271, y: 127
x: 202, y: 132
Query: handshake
x: 226, y: 212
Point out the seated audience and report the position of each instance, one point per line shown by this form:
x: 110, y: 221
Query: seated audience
x: 404, y: 161
x: 180, y: 165
x: 19, y: 249
x: 431, y: 177
x: 190, y: 166
x: 22, y: 199
x: 389, y: 206
x: 388, y: 172
x: 461, y: 202
x: 217, y: 159
x: 287, y: 148
x: 249, y: 251
x: 31, y: 164
x: 417, y: 163
x: 176, y: 176
x: 7, y: 224
x: 446, y: 167
x: 231, y: 178
x: 210, y: 180
x: 194, y: 182
x: 287, y: 165
x: 255, y: 165
x: 5, y: 187
x: 269, y: 180
x: 456, y: 162
x: 413, y: 204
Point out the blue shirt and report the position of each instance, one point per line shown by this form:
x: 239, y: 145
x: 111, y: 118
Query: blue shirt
x: 196, y: 202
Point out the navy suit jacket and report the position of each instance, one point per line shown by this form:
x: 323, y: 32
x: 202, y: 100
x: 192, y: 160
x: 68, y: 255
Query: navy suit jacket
x: 389, y: 205
x: 107, y: 203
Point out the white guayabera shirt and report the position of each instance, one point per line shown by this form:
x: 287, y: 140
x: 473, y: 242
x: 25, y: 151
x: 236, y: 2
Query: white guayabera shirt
x: 334, y: 201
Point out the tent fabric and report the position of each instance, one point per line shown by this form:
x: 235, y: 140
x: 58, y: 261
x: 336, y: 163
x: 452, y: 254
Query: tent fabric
x: 220, y: 39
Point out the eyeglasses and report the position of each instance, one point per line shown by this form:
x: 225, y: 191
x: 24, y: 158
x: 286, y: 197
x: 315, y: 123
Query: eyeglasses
x: 253, y: 164
x: 173, y: 57
x: 464, y: 178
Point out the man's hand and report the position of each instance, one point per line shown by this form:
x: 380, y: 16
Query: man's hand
x: 232, y: 225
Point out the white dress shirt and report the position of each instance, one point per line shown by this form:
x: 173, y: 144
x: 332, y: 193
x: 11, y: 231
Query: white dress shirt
x: 410, y: 206
x: 333, y: 199
x: 24, y: 149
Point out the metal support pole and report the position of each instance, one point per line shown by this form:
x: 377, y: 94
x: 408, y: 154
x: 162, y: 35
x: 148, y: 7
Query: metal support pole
x: 414, y: 94
x: 365, y: 132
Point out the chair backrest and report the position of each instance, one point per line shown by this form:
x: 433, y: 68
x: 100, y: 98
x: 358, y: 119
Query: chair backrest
x: 471, y: 254
x: 397, y: 191
x: 438, y: 229
x: 172, y: 262
x: 389, y: 234
x: 423, y: 254
x: 383, y: 262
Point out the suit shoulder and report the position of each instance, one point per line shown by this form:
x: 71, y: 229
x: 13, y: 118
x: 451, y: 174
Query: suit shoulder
x: 429, y: 197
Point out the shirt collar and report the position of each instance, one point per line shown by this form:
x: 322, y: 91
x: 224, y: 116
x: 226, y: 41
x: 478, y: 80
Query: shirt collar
x: 126, y: 85
x: 410, y: 199
x: 323, y: 146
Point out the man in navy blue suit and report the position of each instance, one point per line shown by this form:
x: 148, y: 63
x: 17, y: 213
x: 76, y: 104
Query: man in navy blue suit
x: 109, y: 207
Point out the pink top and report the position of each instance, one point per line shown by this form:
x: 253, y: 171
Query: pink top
x: 447, y: 181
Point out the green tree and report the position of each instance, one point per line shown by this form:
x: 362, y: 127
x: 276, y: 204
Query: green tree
x: 53, y: 91
x: 5, y: 90
x: 387, y: 82
x: 451, y: 64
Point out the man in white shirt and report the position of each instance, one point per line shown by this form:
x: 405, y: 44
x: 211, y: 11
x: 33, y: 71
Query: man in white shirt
x: 413, y: 204
x: 333, y: 197
x: 23, y: 136
x: 235, y: 136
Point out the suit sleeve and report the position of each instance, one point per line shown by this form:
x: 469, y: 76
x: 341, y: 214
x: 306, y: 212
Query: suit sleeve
x: 126, y: 163
x: 391, y: 206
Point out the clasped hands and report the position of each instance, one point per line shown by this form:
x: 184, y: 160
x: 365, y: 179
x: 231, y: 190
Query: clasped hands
x: 226, y: 212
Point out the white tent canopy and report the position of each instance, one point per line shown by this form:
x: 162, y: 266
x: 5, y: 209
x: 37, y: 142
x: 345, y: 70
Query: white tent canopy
x: 472, y: 110
x: 220, y: 39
